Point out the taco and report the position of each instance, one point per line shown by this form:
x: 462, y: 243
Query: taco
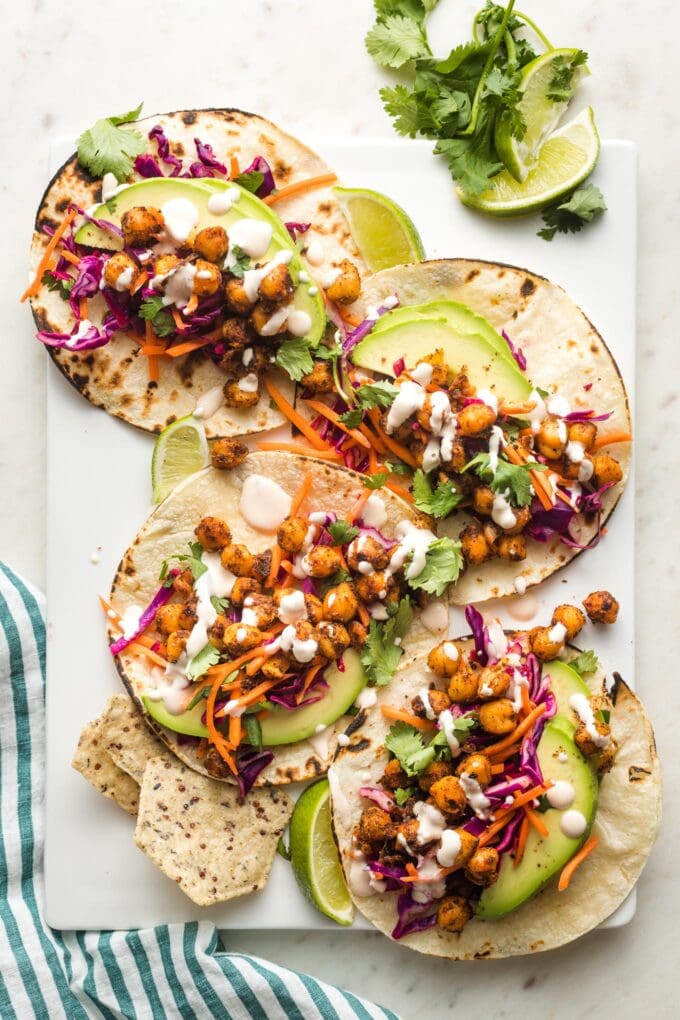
x: 196, y: 271
x: 495, y: 395
x: 494, y: 803
x: 257, y: 604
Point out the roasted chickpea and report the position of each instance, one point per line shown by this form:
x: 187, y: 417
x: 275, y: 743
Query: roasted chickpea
x: 340, y: 604
x: 242, y: 393
x: 453, y: 913
x: 291, y: 534
x: 375, y: 826
x: 373, y: 587
x: 468, y: 845
x: 266, y: 322
x: 483, y: 866
x: 394, y: 776
x: 227, y: 454
x: 571, y: 618
x: 358, y: 634
x: 482, y: 500
x: 498, y: 717
x: 407, y: 835
x: 474, y: 545
x: 262, y: 565
x: 244, y: 586
x: 366, y: 549
x: 463, y: 684
x: 207, y: 280
x: 449, y: 796
x: 478, y: 767
x: 346, y: 286
x: 189, y: 614
x: 551, y: 438
x: 277, y: 285
x: 435, y: 771
x: 211, y: 243
x: 333, y: 639
x: 444, y: 659
x: 213, y: 533
x: 583, y: 470
x: 165, y: 264
x: 314, y: 607
x: 320, y: 379
x: 522, y: 517
x: 440, y: 370
x: 322, y: 561
x: 583, y: 432
x: 238, y: 559
x: 585, y: 741
x: 459, y: 457
x: 120, y: 271
x: 493, y: 682
x: 601, y: 607
x: 141, y: 226
x: 236, y: 298
x: 168, y: 616
x: 260, y: 611
x: 183, y: 584
x: 606, y: 470
x: 236, y: 333
x: 216, y: 631
x: 176, y: 643
x: 276, y: 666
x: 511, y: 547
x: 475, y: 418
x: 547, y: 642
x: 439, y: 701
x: 241, y: 637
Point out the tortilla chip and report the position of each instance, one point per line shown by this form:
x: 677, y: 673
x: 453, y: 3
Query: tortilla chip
x: 128, y: 739
x: 95, y: 764
x: 200, y: 833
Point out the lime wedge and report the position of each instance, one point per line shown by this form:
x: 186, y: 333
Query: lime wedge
x: 385, y: 235
x: 180, y: 451
x: 314, y: 855
x: 541, y: 115
x: 565, y: 160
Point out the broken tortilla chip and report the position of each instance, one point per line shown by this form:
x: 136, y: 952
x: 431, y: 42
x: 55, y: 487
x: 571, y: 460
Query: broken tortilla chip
x: 128, y: 739
x: 95, y: 764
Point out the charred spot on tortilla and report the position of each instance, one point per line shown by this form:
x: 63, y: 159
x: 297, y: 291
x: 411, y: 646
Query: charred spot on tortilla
x: 637, y: 774
x: 528, y: 287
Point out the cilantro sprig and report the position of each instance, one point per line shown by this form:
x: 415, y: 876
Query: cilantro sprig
x: 513, y: 479
x: 407, y: 744
x: 586, y: 662
x: 437, y: 502
x: 109, y: 147
x: 571, y: 214
x: 295, y: 357
x: 380, y: 655
x: 153, y: 310
x: 443, y: 564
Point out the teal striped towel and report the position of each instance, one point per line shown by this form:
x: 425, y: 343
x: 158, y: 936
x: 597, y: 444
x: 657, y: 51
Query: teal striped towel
x: 170, y: 971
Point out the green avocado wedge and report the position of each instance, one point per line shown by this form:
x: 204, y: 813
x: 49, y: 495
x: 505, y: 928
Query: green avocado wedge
x: 565, y: 681
x: 156, y: 191
x: 415, y: 339
x: 280, y: 725
x: 544, y: 857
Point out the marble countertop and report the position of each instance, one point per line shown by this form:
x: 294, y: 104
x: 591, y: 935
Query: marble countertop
x: 303, y: 64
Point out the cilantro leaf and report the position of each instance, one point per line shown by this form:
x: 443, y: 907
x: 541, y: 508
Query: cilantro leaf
x: 404, y: 108
x: 107, y: 147
x: 352, y: 418
x: 395, y: 39
x: 439, y: 503
x: 375, y: 481
x: 407, y: 745
x: 253, y: 730
x: 377, y: 394
x: 154, y: 310
x: 443, y: 564
x: 252, y: 181
x: 241, y: 262
x: 401, y: 795
x: 515, y: 479
x: 294, y: 357
x: 586, y: 662
x: 54, y: 283
x: 325, y: 353
x: 561, y: 85
x: 332, y: 582
x: 397, y: 467
x: 380, y: 655
x: 192, y: 559
x: 202, y: 661
x: 198, y: 696
x: 342, y: 532
x: 218, y: 604
x: 573, y: 213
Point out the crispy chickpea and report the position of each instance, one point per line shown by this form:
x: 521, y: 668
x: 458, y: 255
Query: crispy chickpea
x: 320, y: 379
x: 346, y: 286
x: 215, y: 765
x: 373, y: 587
x: 340, y: 604
x: 583, y: 432
x: 291, y: 534
x: 322, y: 561
x: 551, y: 438
x: 141, y: 226
x: 213, y: 533
x: 483, y: 866
x: 176, y: 643
x: 444, y: 658
x: 440, y: 370
x: 547, y: 642
x: 606, y: 757
x: 265, y: 322
x: 189, y: 614
x: 601, y: 607
x: 241, y: 637
x: 463, y: 684
x: 482, y: 500
x: 277, y: 285
x: 474, y: 545
x: 570, y: 617
x: 394, y: 776
x: 511, y: 547
x: 314, y: 607
x: 468, y: 846
x: 366, y: 549
x: 606, y: 470
x: 168, y: 616
x: 459, y: 457
x: 358, y: 634
x: 449, y: 796
x: 439, y: 702
x: 584, y: 740
x: 407, y: 834
x: 522, y: 517
x: 240, y: 396
x: 183, y: 584
x: 120, y: 271
x: 243, y: 587
x: 498, y: 717
x: 216, y: 631
x: 333, y: 639
x: 435, y: 771
x: 453, y: 913
x: 235, y: 332
x: 227, y: 454
x: 375, y: 825
x: 475, y: 418
x: 207, y: 280
x: 262, y: 565
x: 493, y: 682
x: 238, y: 559
x: 571, y: 469
x: 259, y: 610
x: 236, y: 298
x: 211, y: 243
x: 165, y: 264
x: 276, y: 666
x: 478, y: 767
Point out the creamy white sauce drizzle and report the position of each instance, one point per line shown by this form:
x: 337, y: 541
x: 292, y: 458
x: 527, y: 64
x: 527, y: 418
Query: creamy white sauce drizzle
x: 476, y: 797
x: 374, y: 514
x: 580, y: 703
x: 431, y: 822
x: 447, y: 724
x: 449, y: 848
x: 413, y: 542
x: 292, y: 608
x: 251, y: 236
x: 557, y: 633
x: 424, y: 695
x: 209, y: 403
x: 573, y: 824
x: 561, y: 795
x: 366, y: 698
x: 264, y: 505
x: 220, y: 202
x: 181, y: 217
x: 502, y: 513
x: 435, y: 618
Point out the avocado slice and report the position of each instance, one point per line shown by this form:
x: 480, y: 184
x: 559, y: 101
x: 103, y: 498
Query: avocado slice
x: 280, y: 726
x: 565, y: 681
x: 545, y: 857
x: 459, y: 316
x: 158, y: 190
x: 415, y: 339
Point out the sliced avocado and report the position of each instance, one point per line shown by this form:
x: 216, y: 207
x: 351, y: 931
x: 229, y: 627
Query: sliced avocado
x: 565, y: 681
x: 544, y: 857
x: 415, y: 339
x: 280, y: 726
x: 158, y: 190
x: 457, y: 315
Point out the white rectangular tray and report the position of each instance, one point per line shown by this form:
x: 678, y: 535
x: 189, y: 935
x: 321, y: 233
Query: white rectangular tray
x: 99, y: 492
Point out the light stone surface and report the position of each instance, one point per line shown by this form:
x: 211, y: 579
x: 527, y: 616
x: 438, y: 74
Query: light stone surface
x: 303, y: 64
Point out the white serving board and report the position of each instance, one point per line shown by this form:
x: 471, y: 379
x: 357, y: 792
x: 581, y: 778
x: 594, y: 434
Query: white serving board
x: 98, y: 494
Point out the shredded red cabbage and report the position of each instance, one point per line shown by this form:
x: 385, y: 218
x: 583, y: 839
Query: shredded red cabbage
x: 205, y: 153
x: 587, y: 416
x: 249, y: 764
x: 391, y: 876
x: 296, y: 228
x: 378, y: 796
x: 516, y: 352
x: 475, y: 826
x: 363, y: 329
x: 413, y: 917
x: 89, y: 340
x: 157, y: 135
x: 260, y: 165
x: 147, y: 166
x: 479, y: 632
x: 285, y: 695
x: 399, y: 366
x: 508, y: 840
x: 146, y: 618
x: 87, y: 281
x: 105, y: 225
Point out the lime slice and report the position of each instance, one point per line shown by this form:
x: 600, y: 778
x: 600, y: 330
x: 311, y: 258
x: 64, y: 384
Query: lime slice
x: 565, y: 160
x: 180, y: 451
x: 385, y: 235
x: 315, y: 857
x: 541, y: 115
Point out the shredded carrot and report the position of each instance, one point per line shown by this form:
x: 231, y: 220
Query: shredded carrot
x: 302, y: 451
x: 223, y: 670
x: 399, y: 715
x: 310, y: 676
x: 149, y: 350
x: 56, y: 237
x: 398, y: 449
x: 355, y: 512
x: 153, y: 368
x: 70, y: 257
x: 220, y: 744
x: 613, y: 437
x: 298, y: 188
x: 526, y: 700
x: 565, y: 499
x: 578, y: 858
x: 303, y: 492
x: 255, y: 665
x: 327, y: 412
x: 252, y: 696
x: 496, y: 770
x: 180, y: 325
x: 528, y: 795
x: 364, y: 618
x: 537, y: 822
x: 177, y: 350
x: 541, y: 486
x: 277, y: 556
x: 142, y: 277
x: 375, y: 441
x: 502, y: 819
x: 349, y: 319
x: 400, y: 491
x: 503, y: 756
x: 286, y: 408
x: 115, y: 619
x: 512, y: 409
x: 521, y: 842
x: 519, y: 731
x: 135, y: 646
x: 234, y: 169
x: 82, y: 307
x: 235, y: 730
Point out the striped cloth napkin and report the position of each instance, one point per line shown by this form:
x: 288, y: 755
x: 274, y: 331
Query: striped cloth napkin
x: 170, y: 971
